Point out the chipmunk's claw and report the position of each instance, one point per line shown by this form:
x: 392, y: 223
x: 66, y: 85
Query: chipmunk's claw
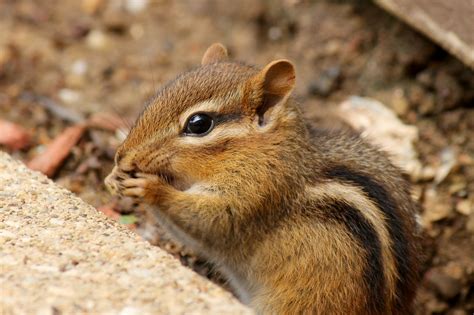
x: 134, y: 187
x: 141, y: 186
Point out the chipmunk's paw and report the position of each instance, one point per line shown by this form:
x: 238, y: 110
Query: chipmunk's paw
x: 148, y: 187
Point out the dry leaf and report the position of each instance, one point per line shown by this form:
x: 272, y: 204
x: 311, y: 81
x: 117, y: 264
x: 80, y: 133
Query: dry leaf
x: 55, y: 153
x: 13, y: 136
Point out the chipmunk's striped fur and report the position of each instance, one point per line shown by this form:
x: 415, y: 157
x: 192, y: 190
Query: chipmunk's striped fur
x: 298, y: 220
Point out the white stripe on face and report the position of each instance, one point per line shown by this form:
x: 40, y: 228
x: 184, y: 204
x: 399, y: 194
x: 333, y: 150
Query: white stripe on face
x: 206, y: 106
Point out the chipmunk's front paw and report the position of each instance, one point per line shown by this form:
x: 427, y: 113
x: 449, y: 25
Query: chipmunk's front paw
x: 151, y: 188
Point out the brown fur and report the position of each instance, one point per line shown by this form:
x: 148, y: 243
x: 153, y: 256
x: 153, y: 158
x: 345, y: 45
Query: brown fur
x: 299, y: 221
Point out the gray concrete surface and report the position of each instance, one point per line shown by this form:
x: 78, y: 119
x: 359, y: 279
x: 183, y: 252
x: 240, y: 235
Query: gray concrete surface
x: 59, y: 255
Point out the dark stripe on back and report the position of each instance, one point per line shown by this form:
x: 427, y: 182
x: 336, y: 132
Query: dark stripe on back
x: 365, y: 234
x: 387, y: 205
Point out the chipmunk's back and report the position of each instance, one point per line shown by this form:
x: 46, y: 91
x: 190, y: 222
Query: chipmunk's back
x: 390, y: 237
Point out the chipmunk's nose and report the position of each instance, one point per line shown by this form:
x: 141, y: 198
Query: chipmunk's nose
x: 111, y: 182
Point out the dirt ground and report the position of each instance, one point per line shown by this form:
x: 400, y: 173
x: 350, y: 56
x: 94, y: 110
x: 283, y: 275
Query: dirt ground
x: 65, y: 61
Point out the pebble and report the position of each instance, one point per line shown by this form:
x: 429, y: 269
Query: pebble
x: 79, y: 67
x: 455, y: 270
x: 326, y: 81
x: 97, y: 40
x: 275, y: 33
x: 470, y: 223
x: 421, y: 100
x: 448, y: 161
x: 427, y: 104
x: 332, y: 47
x: 69, y: 96
x: 91, y: 6
x: 435, y: 208
x: 446, y: 286
x: 434, y: 306
x: 448, y: 90
x: 135, y: 6
x: 465, y: 207
x: 426, y: 78
x: 400, y: 102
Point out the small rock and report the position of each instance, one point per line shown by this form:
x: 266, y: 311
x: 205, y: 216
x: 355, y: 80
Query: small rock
x: 435, y: 306
x: 443, y: 284
x: 97, y: 40
x: 448, y: 162
x: 135, y: 6
x: 465, y: 207
x: 455, y: 270
x: 427, y: 173
x: 79, y: 67
x: 76, y: 78
x: 435, y: 209
x: 69, y: 96
x: 399, y: 102
x: 426, y: 78
x: 427, y: 104
x: 91, y: 6
x: 423, y: 101
x: 470, y: 223
x: 459, y: 189
x: 326, y: 82
x: 448, y: 90
x: 275, y: 33
x: 332, y: 47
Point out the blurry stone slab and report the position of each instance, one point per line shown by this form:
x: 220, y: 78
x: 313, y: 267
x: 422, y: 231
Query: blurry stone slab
x: 449, y: 23
x: 59, y: 255
x: 380, y: 126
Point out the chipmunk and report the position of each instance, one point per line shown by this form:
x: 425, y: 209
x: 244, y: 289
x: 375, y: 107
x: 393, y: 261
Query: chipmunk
x: 299, y: 220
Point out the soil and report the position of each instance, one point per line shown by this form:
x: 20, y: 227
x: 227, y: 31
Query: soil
x: 64, y: 61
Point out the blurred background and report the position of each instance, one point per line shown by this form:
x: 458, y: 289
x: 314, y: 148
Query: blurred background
x: 75, y: 74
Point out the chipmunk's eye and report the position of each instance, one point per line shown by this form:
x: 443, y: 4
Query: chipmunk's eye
x: 199, y: 124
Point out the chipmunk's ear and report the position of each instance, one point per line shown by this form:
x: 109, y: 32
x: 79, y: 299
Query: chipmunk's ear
x: 274, y: 85
x: 215, y: 53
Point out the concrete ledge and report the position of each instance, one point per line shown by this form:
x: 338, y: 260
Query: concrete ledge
x: 59, y: 255
x: 449, y: 23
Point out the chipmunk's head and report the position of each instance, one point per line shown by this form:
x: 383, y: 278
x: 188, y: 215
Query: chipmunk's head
x: 207, y: 121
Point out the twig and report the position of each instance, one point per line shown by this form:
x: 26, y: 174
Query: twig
x: 55, y: 108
